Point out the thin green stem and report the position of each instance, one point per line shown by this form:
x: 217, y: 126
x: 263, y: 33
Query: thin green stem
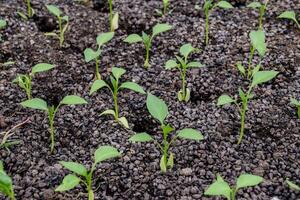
x: 233, y: 193
x: 29, y: 11
x: 116, y: 105
x: 98, y: 75
x: 146, y: 64
x: 298, y: 112
x: 165, y: 7
x: 12, y: 194
x: 111, y: 15
x: 206, y: 27
x: 183, y: 83
x: 51, y: 122
x: 61, y: 34
x: 166, y: 145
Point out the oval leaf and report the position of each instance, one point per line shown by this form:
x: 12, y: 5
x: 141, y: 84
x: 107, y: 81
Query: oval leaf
x: 41, y: 67
x: 105, y: 152
x: 69, y: 182
x: 74, y: 167
x: 186, y: 49
x: 219, y: 188
x: 254, y: 5
x: 104, y: 38
x: 160, y: 28
x: 293, y: 185
x: 141, y: 137
x: 224, y: 4
x: 3, y: 23
x: 35, y: 103
x: 123, y: 121
x: 90, y: 54
x: 98, y: 84
x: 54, y: 10
x: 288, y: 15
x: 191, y: 134
x: 133, y: 86
x: 133, y: 38
x: 118, y: 72
x: 224, y: 99
x: 263, y: 76
x: 73, y: 100
x: 171, y: 64
x: 258, y: 41
x: 157, y: 108
x: 247, y: 180
x: 195, y: 65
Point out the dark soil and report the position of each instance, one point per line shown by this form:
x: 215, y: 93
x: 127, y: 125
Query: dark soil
x: 271, y: 144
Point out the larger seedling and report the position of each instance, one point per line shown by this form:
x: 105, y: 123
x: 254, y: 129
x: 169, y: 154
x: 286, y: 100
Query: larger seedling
x: 262, y: 10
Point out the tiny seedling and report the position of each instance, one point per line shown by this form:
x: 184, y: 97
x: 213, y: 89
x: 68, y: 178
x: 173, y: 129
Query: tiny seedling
x: 208, y: 7
x: 6, y: 184
x: 80, y: 174
x: 291, y: 15
x: 90, y: 54
x: 25, y: 80
x: 30, y: 11
x: 114, y: 89
x: 3, y: 25
x: 40, y: 104
x: 222, y: 188
x: 63, y: 23
x: 242, y: 105
x: 113, y: 17
x: 183, y: 64
x: 297, y: 104
x: 262, y: 9
x: 147, y: 39
x: 159, y: 110
x: 164, y: 11
x: 292, y: 185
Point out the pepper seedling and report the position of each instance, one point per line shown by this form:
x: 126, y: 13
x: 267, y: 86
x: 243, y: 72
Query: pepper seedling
x: 6, y: 184
x: 222, y: 188
x: 63, y: 23
x: 3, y: 25
x: 159, y: 110
x: 242, y: 105
x: 262, y: 9
x: 208, y: 7
x: 25, y: 80
x: 40, y: 104
x: 90, y: 54
x: 80, y: 174
x: 147, y: 39
x: 291, y: 15
x: 183, y: 65
x: 30, y: 11
x: 114, y: 89
x: 164, y: 10
x: 297, y: 104
x: 292, y: 185
x: 113, y: 17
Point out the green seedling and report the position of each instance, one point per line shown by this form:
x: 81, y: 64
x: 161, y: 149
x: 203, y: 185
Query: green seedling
x: 25, y: 80
x: 114, y: 88
x: 6, y: 184
x: 30, y: 11
x: 258, y: 44
x: 80, y: 174
x: 159, y: 110
x: 63, y: 23
x: 291, y: 15
x: 113, y: 17
x: 3, y: 25
x: 208, y: 8
x: 40, y: 104
x: 292, y: 185
x: 183, y: 64
x: 164, y: 11
x: 90, y: 54
x: 147, y: 39
x: 262, y: 9
x: 222, y: 188
x: 297, y: 104
x: 242, y: 104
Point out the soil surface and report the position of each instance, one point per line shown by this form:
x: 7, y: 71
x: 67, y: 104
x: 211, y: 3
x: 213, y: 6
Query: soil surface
x: 272, y: 140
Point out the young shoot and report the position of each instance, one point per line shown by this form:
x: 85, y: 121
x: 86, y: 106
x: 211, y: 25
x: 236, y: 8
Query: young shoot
x: 164, y: 11
x: 242, y: 103
x: 114, y: 88
x: 25, y: 80
x: 221, y: 188
x: 80, y: 174
x: 208, y: 8
x: 262, y: 9
x: 296, y: 103
x: 159, y: 110
x: 292, y: 185
x: 90, y: 54
x: 113, y: 17
x: 6, y: 184
x: 40, y: 104
x: 183, y: 64
x: 3, y: 25
x: 291, y: 15
x: 63, y: 23
x: 30, y: 11
x: 147, y: 39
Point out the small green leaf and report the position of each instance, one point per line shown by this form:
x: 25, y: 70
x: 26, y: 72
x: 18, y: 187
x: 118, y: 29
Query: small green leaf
x: 224, y: 99
x: 295, y: 102
x: 54, y: 10
x: 124, y: 122
x: 65, y: 18
x: 105, y: 152
x: 146, y: 38
x: 241, y: 68
x: 191, y: 134
x: 133, y: 38
x: 224, y: 4
x: 292, y: 185
x: 256, y: 69
x: 141, y: 137
x: 133, y: 86
x: 171, y: 64
x: 288, y: 15
x: 247, y: 180
x: 118, y: 72
x: 157, y: 108
x: 195, y: 65
x: 52, y: 34
x: 254, y: 5
x: 258, y: 41
x: 35, y: 103
x: 73, y: 100
x: 115, y: 21
x: 98, y: 84
x: 104, y: 38
x: 187, y: 95
x: 207, y: 5
x: 108, y: 112
x: 219, y: 187
x: 262, y: 77
x: 186, y: 49
x: 242, y: 94
x: 75, y: 167
x: 3, y: 23
x: 170, y: 162
x: 160, y: 28
x: 41, y: 67
x: 162, y: 164
x: 90, y: 54
x: 167, y: 129
x: 69, y: 182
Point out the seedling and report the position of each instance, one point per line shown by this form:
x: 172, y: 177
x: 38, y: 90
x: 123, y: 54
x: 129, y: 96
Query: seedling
x: 6, y: 184
x: 159, y: 110
x: 63, y: 23
x: 164, y: 11
x: 183, y: 65
x: 297, y: 104
x: 222, y: 188
x: 90, y: 54
x: 40, y: 104
x: 3, y: 25
x: 262, y: 9
x: 30, y: 11
x: 114, y: 88
x: 292, y: 185
x: 242, y: 105
x: 80, y: 174
x: 25, y: 80
x: 208, y: 8
x: 291, y: 15
x: 147, y: 39
x: 258, y: 43
x: 113, y: 17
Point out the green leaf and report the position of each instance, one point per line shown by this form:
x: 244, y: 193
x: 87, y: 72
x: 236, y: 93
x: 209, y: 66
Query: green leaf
x: 207, y: 5
x: 262, y: 77
x: 195, y: 65
x: 288, y: 15
x: 171, y: 64
x: 247, y: 180
x: 133, y: 38
x: 186, y: 49
x: 108, y: 112
x: 69, y: 182
x: 146, y: 38
x: 118, y: 72
x: 98, y: 84
x: 170, y: 162
x: 90, y: 54
x: 35, y: 103
x: 124, y: 122
x: 73, y: 100
x: 160, y: 28
x: 75, y: 167
x: 106, y: 152
x: 224, y: 99
x: 167, y: 129
x: 224, y: 4
x: 133, y: 86
x: 65, y: 18
x: 292, y: 185
x: 54, y: 10
x: 256, y: 69
x: 254, y: 5
x: 191, y: 134
x: 3, y: 23
x: 141, y: 137
x: 241, y: 68
x: 41, y: 67
x: 295, y: 102
x: 157, y: 108
x: 258, y: 41
x: 218, y: 188
x: 115, y: 21
x: 104, y: 38
x: 242, y: 94
x: 162, y: 164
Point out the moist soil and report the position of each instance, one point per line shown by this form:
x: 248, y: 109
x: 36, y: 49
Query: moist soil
x: 271, y: 144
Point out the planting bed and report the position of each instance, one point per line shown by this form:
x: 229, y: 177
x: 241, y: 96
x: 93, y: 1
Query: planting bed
x: 271, y: 145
